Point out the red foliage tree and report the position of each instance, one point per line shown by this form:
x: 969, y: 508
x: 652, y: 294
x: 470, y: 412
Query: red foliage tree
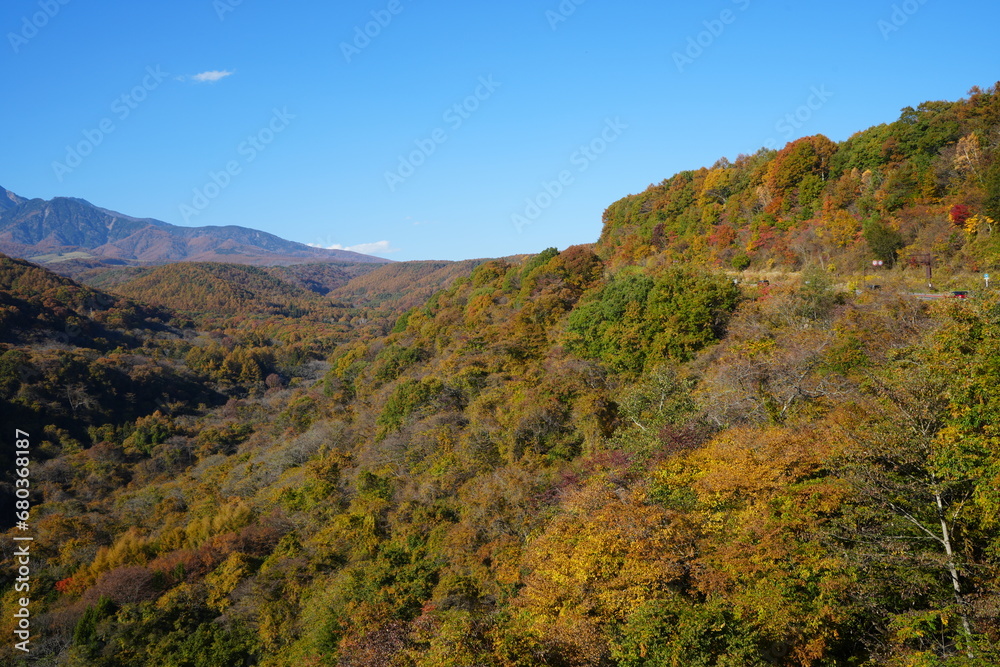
x: 959, y: 214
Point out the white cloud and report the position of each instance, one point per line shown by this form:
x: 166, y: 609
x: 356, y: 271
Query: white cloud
x: 212, y: 76
x: 417, y: 223
x: 377, y: 248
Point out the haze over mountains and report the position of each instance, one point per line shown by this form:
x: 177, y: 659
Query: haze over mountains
x: 66, y: 229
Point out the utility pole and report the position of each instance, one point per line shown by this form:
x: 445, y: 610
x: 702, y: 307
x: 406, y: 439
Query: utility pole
x: 925, y: 259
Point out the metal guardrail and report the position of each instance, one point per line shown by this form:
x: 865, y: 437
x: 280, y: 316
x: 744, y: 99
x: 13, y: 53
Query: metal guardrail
x: 959, y: 294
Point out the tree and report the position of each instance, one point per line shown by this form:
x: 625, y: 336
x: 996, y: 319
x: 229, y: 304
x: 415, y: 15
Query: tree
x: 149, y: 432
x: 884, y: 241
x: 637, y: 320
x: 85, y: 632
x: 808, y: 156
x: 898, y: 466
x: 992, y: 187
x: 958, y: 214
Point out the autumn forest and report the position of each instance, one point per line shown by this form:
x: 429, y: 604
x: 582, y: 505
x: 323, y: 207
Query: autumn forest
x: 716, y: 437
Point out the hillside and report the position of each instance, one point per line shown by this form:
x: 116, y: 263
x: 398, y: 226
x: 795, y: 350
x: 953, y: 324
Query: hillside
x: 9, y: 200
x: 36, y: 303
x: 224, y: 295
x: 323, y: 278
x: 67, y: 229
x: 927, y: 183
x: 215, y: 288
x: 611, y: 455
x: 404, y: 285
x: 73, y: 358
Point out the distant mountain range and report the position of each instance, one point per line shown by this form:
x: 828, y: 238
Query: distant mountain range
x: 66, y: 230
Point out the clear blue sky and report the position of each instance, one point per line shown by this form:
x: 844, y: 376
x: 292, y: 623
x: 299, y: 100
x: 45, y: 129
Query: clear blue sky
x: 607, y: 77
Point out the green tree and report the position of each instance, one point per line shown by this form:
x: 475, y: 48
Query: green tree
x: 85, y: 634
x: 409, y: 396
x: 816, y: 296
x: 918, y: 464
x: 638, y: 320
x: 992, y: 186
x: 884, y: 241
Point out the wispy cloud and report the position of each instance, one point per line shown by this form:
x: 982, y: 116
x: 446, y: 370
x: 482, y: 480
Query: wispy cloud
x: 212, y: 76
x: 377, y: 248
x: 417, y: 223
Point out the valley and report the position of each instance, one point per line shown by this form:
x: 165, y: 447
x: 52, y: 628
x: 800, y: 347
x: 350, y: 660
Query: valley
x: 699, y: 440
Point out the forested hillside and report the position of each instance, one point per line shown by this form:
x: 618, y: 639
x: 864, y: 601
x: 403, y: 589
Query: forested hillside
x: 319, y: 278
x: 614, y: 455
x: 400, y: 286
x: 928, y: 182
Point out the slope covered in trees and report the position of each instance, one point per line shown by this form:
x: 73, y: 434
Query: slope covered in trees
x: 322, y: 278
x: 319, y: 278
x: 217, y: 288
x: 926, y: 183
x: 403, y: 285
x: 601, y: 456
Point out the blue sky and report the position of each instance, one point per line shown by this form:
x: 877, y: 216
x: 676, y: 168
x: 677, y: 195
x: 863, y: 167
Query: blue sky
x: 449, y: 130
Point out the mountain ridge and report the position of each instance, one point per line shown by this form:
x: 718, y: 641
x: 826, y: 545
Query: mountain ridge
x: 68, y: 228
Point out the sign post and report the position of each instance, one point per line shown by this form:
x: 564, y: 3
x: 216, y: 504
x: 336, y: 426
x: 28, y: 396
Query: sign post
x: 986, y: 277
